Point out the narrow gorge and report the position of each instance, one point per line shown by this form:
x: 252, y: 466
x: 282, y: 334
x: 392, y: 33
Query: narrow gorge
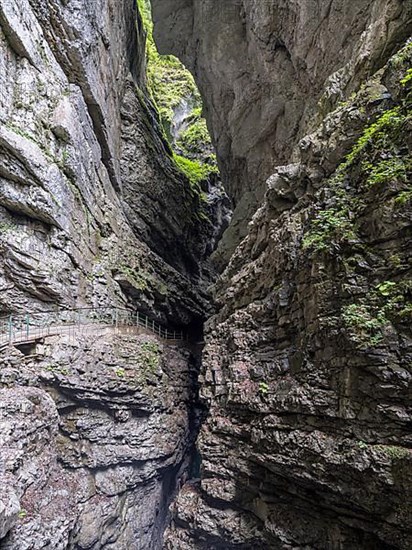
x: 205, y: 274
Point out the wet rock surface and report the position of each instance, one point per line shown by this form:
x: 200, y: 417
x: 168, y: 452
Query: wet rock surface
x: 93, y: 213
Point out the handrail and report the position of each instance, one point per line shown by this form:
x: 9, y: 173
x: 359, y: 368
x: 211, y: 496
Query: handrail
x: 30, y: 326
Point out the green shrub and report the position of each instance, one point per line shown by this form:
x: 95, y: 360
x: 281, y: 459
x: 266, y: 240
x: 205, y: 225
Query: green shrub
x: 364, y: 323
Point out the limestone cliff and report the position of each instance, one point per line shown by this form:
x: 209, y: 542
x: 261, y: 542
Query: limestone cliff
x: 307, y: 367
x: 93, y: 212
x: 95, y: 433
x: 262, y: 68
x: 304, y: 411
x: 93, y: 208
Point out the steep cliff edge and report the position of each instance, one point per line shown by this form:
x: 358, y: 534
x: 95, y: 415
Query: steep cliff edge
x: 262, y: 68
x: 94, y: 212
x: 307, y: 366
x: 93, y: 208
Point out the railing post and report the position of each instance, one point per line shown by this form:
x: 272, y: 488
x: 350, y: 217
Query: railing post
x: 27, y: 326
x: 137, y: 319
x: 147, y: 322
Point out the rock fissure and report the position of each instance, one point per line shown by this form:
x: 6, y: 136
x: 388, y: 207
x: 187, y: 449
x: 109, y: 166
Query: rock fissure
x: 289, y: 427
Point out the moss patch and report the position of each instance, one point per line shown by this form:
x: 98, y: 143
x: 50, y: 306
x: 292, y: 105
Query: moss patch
x: 170, y: 84
x: 195, y: 171
x: 390, y: 302
x: 331, y: 227
x: 378, y: 162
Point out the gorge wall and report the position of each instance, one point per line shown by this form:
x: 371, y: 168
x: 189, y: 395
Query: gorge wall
x: 269, y: 71
x: 307, y: 366
x: 94, y: 212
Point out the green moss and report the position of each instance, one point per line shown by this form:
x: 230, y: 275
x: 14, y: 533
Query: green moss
x: 397, y: 305
x: 263, y: 388
x: 7, y: 227
x: 169, y: 82
x: 403, y: 55
x: 395, y: 261
x: 379, y: 133
x: 404, y: 198
x: 386, y: 288
x: 394, y: 452
x: 196, y: 139
x: 365, y: 323
x: 149, y: 356
x: 333, y: 226
x: 390, y: 302
x: 407, y: 78
x: 136, y: 278
x: 195, y: 171
x: 378, y: 160
x: 388, y: 170
x: 21, y: 132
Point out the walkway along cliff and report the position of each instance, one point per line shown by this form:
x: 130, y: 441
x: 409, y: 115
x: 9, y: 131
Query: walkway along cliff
x: 291, y: 427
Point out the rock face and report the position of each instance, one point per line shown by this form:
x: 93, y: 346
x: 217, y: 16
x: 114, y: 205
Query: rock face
x: 94, y: 435
x: 93, y: 210
x: 262, y: 68
x: 307, y: 367
x: 308, y: 364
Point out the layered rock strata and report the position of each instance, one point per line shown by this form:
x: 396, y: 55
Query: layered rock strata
x: 262, y: 67
x: 95, y: 432
x: 93, y: 212
x: 93, y: 208
x: 308, y: 364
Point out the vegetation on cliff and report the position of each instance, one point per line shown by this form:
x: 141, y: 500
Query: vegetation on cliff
x: 173, y: 90
x: 372, y: 187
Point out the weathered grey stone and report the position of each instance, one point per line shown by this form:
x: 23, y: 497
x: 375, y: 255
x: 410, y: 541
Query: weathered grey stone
x: 307, y: 441
x: 263, y: 66
x: 92, y: 449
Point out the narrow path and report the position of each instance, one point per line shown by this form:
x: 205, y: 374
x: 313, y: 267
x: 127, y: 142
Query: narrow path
x: 30, y: 327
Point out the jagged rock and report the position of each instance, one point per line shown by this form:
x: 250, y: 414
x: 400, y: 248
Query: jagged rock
x: 307, y: 364
x: 263, y: 66
x: 93, y: 436
x: 9, y: 506
x: 84, y: 169
x: 307, y: 368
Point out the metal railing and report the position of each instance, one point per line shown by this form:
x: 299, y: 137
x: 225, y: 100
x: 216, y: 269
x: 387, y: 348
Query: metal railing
x: 20, y: 328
